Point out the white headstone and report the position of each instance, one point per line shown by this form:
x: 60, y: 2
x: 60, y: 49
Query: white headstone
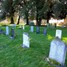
x: 58, y: 51
x: 32, y: 28
x: 59, y: 33
x: 26, y: 43
x: 23, y: 27
x: 7, y: 30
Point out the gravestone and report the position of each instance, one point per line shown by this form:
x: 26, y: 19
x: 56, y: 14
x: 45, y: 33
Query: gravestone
x: 58, y: 33
x: 26, y: 43
x: 38, y: 30
x: 7, y: 30
x: 45, y: 31
x: 23, y: 27
x: 12, y: 33
x: 58, y: 51
x: 32, y: 28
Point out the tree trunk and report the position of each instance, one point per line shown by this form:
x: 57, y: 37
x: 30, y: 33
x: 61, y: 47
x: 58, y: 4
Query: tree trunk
x: 12, y: 20
x: 48, y: 18
x: 27, y: 21
x: 18, y: 20
x: 48, y: 24
x: 38, y: 24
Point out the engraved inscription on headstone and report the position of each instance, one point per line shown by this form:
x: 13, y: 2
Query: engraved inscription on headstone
x: 26, y: 43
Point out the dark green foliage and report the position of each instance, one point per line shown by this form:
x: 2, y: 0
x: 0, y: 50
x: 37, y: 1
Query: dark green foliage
x: 59, y: 10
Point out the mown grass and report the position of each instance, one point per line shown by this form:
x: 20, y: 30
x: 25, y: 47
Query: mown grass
x: 13, y: 55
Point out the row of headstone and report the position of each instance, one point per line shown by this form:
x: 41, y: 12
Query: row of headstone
x: 12, y: 32
x: 58, y: 49
x: 38, y: 30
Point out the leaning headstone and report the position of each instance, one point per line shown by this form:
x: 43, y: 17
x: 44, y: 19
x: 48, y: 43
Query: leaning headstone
x: 12, y: 33
x: 7, y: 30
x: 58, y: 33
x: 38, y: 30
x: 58, y: 51
x: 26, y: 43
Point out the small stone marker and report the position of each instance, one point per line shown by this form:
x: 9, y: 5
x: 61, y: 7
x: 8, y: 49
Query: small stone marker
x: 58, y: 51
x: 32, y: 28
x: 12, y: 33
x: 45, y: 31
x: 38, y: 30
x: 7, y: 30
x: 59, y: 33
x: 26, y: 43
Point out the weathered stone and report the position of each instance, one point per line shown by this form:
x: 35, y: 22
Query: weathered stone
x: 58, y: 51
x: 26, y: 43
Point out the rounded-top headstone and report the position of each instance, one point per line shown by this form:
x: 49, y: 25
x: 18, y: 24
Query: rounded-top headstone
x: 58, y: 50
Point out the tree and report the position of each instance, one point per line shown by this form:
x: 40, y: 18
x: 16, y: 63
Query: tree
x: 2, y: 14
x: 43, y: 9
x: 60, y: 9
x: 10, y: 7
x: 25, y: 8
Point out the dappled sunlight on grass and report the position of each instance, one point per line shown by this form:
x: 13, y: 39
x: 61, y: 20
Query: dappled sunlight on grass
x: 65, y: 39
x: 49, y: 37
x: 13, y: 55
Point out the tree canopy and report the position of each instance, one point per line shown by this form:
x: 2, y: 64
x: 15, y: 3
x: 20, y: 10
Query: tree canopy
x: 37, y: 9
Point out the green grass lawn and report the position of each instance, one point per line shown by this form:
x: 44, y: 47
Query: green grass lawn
x: 13, y: 55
